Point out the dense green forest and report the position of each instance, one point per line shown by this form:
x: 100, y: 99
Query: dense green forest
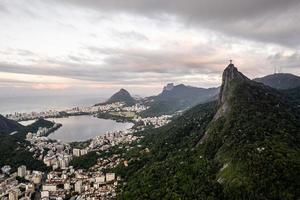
x: 13, y: 148
x: 13, y: 152
x: 293, y: 95
x: 172, y: 161
x: 251, y: 152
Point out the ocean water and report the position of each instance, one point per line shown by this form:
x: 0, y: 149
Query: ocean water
x: 10, y: 105
x: 84, y: 127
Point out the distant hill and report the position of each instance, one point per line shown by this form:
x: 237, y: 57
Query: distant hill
x: 8, y: 126
x: 121, y: 96
x: 184, y: 92
x: 280, y: 81
x: 245, y: 145
x: 175, y: 98
x: 13, y: 148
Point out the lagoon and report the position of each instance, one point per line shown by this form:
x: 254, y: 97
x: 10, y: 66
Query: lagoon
x: 84, y: 127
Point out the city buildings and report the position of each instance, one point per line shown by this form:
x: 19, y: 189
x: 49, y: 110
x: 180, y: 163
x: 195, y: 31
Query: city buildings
x: 63, y: 180
x: 22, y: 171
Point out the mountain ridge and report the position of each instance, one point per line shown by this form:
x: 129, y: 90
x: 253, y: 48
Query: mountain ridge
x: 280, y: 81
x: 177, y: 98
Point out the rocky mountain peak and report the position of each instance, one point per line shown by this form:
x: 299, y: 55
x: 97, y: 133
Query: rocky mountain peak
x: 122, y: 96
x: 230, y: 75
x: 168, y: 87
x: 123, y: 91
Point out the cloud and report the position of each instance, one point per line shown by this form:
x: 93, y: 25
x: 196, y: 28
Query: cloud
x: 127, y: 65
x: 23, y: 52
x: 164, y: 61
x: 286, y: 59
x: 53, y: 86
x: 261, y: 20
x: 146, y: 42
x: 198, y: 64
x: 132, y: 35
x: 3, y: 9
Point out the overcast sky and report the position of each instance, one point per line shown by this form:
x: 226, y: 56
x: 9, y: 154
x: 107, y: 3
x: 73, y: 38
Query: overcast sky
x: 99, y: 46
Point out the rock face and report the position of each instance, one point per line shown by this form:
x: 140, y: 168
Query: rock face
x: 229, y: 77
x: 169, y: 87
x: 122, y: 96
x: 280, y: 81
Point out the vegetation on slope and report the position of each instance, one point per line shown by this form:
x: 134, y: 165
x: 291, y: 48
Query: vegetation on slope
x: 14, y: 148
x: 293, y: 95
x: 13, y: 152
x: 180, y: 97
x: 164, y: 107
x: 251, y: 152
x: 281, y: 81
x: 8, y: 126
x: 172, y: 168
x: 257, y: 143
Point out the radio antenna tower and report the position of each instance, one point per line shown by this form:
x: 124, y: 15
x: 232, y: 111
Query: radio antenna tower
x: 279, y: 69
x: 274, y: 69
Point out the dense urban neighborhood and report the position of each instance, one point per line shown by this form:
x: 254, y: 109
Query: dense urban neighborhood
x: 62, y: 180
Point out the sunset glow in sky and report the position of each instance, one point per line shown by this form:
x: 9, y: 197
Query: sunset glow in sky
x: 76, y: 46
